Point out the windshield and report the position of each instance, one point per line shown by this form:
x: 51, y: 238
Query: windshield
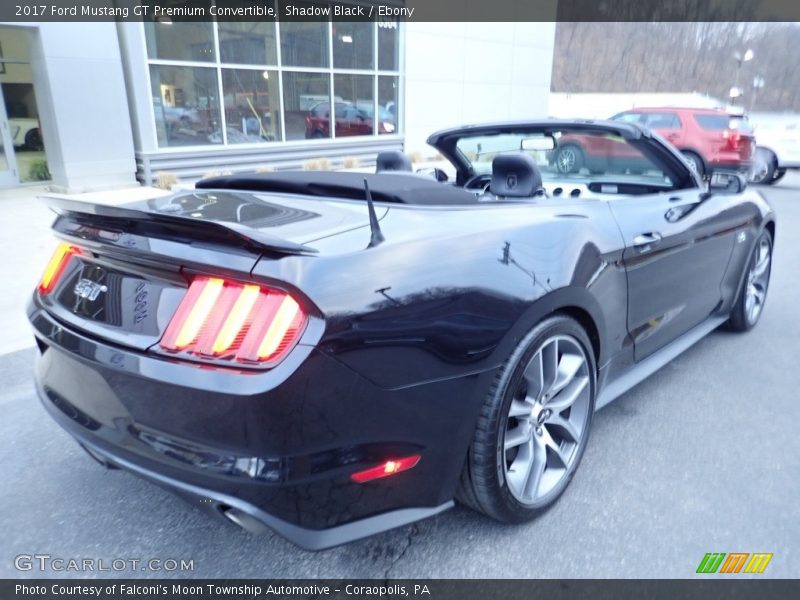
x: 580, y: 156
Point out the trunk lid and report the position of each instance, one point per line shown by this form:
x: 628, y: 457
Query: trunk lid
x: 133, y: 263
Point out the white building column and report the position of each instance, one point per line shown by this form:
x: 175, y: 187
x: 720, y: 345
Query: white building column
x: 86, y: 127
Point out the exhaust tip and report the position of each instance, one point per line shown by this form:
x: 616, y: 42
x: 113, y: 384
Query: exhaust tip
x: 242, y: 519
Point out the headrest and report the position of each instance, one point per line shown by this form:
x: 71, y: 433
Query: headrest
x: 515, y: 176
x: 392, y: 161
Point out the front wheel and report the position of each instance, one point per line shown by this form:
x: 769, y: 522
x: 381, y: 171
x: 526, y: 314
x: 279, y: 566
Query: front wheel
x: 750, y: 303
x: 569, y: 159
x: 534, y: 425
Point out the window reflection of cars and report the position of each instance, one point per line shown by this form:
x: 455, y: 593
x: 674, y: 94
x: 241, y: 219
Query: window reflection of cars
x: 350, y: 120
x: 235, y: 136
x: 178, y: 117
x: 25, y: 133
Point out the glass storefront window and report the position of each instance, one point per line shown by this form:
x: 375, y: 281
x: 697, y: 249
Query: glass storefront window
x: 180, y: 41
x: 263, y: 82
x: 186, y: 105
x: 353, y: 45
x: 306, y: 102
x: 303, y: 44
x: 354, y: 105
x: 252, y: 105
x: 388, y: 45
x: 388, y: 100
x: 247, y: 43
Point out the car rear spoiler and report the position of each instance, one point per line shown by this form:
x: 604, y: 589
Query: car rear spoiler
x: 170, y: 226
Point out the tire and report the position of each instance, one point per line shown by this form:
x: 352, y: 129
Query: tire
x: 695, y: 162
x: 750, y: 304
x: 522, y: 433
x: 33, y: 140
x: 764, y: 165
x: 569, y: 159
x: 779, y: 173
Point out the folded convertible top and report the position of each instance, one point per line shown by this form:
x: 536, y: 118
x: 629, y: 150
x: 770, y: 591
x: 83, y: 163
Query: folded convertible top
x: 401, y: 188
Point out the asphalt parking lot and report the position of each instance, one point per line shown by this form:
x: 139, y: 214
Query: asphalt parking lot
x: 702, y: 457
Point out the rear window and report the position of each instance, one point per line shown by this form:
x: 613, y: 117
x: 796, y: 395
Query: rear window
x: 720, y: 122
x: 712, y: 122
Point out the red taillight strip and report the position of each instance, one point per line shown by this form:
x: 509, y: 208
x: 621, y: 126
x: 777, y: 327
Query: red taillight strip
x: 55, y: 267
x: 192, y: 313
x: 390, y: 467
x: 229, y: 320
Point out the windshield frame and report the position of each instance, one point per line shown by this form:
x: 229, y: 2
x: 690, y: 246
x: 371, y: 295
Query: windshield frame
x: 649, y: 143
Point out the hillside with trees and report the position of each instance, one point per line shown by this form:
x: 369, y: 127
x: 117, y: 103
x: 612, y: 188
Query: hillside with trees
x: 682, y: 57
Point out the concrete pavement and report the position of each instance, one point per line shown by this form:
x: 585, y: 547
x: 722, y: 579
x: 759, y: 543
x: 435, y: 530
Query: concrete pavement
x: 702, y: 457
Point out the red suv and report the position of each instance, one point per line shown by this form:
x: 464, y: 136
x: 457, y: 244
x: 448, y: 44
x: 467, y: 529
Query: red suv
x: 711, y: 139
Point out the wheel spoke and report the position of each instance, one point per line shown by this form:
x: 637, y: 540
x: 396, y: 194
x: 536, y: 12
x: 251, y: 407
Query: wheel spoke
x: 569, y: 395
x: 568, y: 367
x: 534, y: 375
x: 760, y: 267
x: 549, y: 366
x: 519, y: 408
x: 518, y: 474
x: 517, y: 436
x: 537, y: 468
x: 555, y: 448
x: 565, y: 426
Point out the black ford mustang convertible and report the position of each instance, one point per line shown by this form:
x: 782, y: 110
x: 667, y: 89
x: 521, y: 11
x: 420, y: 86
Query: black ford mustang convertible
x: 330, y: 355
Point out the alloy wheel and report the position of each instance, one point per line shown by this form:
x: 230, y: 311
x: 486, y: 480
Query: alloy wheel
x: 547, y: 420
x: 760, y: 169
x: 566, y: 160
x: 758, y: 280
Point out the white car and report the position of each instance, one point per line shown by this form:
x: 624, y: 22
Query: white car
x: 777, y: 147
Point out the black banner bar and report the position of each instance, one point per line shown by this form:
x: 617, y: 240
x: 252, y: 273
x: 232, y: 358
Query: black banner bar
x: 706, y: 588
x: 409, y: 10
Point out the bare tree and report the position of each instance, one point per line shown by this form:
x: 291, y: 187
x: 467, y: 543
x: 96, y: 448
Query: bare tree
x: 681, y: 57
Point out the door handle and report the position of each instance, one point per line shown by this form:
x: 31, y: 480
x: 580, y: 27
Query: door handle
x: 644, y: 241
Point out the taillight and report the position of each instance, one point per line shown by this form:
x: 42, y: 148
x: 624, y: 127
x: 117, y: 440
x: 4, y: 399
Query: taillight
x: 234, y: 321
x: 733, y: 138
x: 390, y: 467
x: 58, y: 262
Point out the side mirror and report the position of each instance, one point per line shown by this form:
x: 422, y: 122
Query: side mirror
x: 435, y: 173
x: 727, y: 183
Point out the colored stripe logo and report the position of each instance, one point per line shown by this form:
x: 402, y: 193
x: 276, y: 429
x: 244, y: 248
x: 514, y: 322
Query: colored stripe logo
x: 735, y: 562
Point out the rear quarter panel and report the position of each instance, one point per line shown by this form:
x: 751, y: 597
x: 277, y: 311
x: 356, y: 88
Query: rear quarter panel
x: 451, y: 291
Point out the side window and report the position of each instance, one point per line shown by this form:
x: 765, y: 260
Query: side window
x: 627, y: 117
x: 662, y: 121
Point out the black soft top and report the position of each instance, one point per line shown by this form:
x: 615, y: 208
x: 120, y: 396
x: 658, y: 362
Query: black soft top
x: 402, y: 188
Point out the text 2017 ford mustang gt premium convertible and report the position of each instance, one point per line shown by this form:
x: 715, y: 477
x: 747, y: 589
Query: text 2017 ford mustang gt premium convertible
x: 331, y: 355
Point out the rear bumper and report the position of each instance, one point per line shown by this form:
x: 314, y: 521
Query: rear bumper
x: 277, y: 449
x: 254, y: 519
x: 729, y: 164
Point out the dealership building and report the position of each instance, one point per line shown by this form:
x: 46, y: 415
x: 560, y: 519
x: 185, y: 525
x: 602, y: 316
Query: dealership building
x: 99, y: 105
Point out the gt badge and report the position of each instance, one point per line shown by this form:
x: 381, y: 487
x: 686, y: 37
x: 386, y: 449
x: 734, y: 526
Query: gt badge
x: 89, y: 290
